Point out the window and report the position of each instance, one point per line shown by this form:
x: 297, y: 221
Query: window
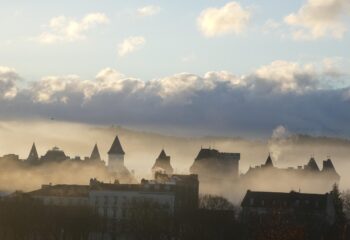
x: 115, y: 200
x: 114, y: 212
x: 105, y: 212
x: 251, y: 201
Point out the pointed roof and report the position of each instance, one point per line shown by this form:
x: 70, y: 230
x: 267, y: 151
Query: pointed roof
x: 33, y: 155
x: 312, y: 165
x: 95, y: 154
x: 116, y: 147
x: 163, y: 163
x: 162, y: 155
x: 269, y: 162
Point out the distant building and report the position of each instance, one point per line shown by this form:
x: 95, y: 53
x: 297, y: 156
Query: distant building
x: 293, y: 207
x: 162, y: 164
x: 213, y: 166
x: 308, y: 177
x: 175, y: 194
x: 54, y: 155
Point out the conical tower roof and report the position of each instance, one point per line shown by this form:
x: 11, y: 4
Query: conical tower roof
x: 116, y: 147
x: 162, y: 155
x: 163, y: 163
x: 312, y: 165
x: 95, y: 154
x: 269, y: 162
x: 33, y: 155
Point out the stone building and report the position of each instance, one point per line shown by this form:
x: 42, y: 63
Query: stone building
x: 175, y: 194
x: 292, y: 207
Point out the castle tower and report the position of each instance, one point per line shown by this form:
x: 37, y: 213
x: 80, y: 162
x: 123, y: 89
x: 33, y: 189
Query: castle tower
x: 33, y: 155
x: 116, y: 156
x: 268, y: 162
x: 312, y: 165
x: 162, y: 164
x: 95, y: 154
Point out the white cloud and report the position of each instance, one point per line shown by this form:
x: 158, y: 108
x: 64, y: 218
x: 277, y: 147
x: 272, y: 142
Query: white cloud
x: 130, y: 45
x: 231, y: 18
x: 65, y: 29
x: 319, y: 18
x: 148, y: 10
x: 8, y: 79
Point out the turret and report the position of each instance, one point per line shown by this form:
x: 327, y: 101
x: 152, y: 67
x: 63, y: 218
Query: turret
x: 162, y: 164
x: 268, y: 162
x: 95, y: 154
x: 116, y: 156
x: 33, y: 155
x: 329, y: 168
x: 312, y: 165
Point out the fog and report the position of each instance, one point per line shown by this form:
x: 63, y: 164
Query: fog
x: 142, y: 148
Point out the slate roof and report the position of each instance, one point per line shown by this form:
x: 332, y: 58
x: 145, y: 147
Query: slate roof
x: 306, y: 201
x: 206, y: 153
x: 95, y: 154
x: 269, y: 162
x: 116, y: 147
x: 312, y: 165
x: 33, y: 155
x: 62, y: 190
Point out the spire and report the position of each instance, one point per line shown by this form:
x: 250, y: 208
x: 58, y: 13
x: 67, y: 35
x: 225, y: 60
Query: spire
x: 95, y: 155
x: 33, y: 155
x: 116, y: 147
x: 268, y: 162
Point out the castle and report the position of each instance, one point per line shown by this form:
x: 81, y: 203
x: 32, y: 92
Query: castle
x: 212, y: 167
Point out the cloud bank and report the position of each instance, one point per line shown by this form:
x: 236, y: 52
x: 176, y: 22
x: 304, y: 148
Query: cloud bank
x: 297, y: 96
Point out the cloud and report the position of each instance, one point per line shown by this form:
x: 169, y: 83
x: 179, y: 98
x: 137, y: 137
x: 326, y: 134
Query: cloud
x: 319, y: 18
x: 130, y: 45
x: 149, y: 10
x: 65, y: 29
x: 8, y: 85
x: 231, y: 18
x: 296, y: 96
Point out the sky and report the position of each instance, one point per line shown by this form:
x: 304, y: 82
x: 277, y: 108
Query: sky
x: 181, y: 67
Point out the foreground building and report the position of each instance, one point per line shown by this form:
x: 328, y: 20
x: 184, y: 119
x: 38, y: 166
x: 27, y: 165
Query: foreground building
x: 172, y: 193
x: 292, y: 207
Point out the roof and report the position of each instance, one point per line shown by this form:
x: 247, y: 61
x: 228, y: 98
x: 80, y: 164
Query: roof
x: 116, y: 147
x: 163, y: 163
x: 95, y: 154
x: 206, y: 153
x: 162, y: 155
x: 312, y: 165
x: 292, y: 199
x: 33, y: 155
x: 62, y: 190
x: 269, y: 162
x: 55, y: 154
